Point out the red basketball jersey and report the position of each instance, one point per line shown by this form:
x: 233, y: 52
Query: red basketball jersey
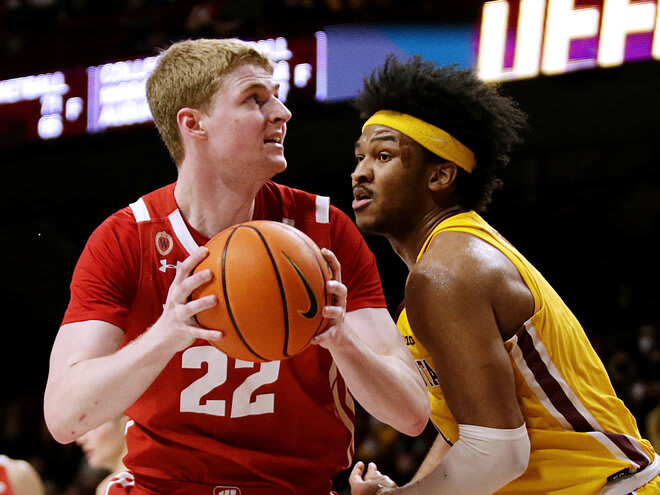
x: 5, y: 485
x: 282, y: 427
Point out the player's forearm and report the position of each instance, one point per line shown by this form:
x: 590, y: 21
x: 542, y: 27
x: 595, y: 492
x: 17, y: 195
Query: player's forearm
x: 94, y: 391
x: 385, y: 385
x: 481, y: 462
x: 437, y: 452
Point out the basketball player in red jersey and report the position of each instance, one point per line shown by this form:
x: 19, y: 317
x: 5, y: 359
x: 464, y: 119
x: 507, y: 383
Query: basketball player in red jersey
x: 105, y: 447
x: 18, y: 477
x: 203, y: 423
x: 522, y: 401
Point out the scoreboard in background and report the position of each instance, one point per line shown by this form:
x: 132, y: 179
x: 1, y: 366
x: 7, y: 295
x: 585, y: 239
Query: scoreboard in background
x: 78, y: 101
x: 515, y: 39
x: 524, y: 38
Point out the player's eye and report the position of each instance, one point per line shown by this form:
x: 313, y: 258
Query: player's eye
x: 256, y: 98
x: 383, y: 157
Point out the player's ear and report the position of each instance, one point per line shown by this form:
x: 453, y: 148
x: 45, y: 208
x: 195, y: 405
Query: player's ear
x: 441, y: 175
x: 190, y: 123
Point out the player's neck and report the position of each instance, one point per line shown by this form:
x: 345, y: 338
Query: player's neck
x: 409, y: 246
x: 119, y: 463
x: 212, y: 203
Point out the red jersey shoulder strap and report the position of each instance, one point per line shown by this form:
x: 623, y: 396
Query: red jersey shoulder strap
x: 307, y: 212
x: 5, y: 485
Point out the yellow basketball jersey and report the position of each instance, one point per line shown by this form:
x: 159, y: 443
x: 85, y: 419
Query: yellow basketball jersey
x: 582, y: 436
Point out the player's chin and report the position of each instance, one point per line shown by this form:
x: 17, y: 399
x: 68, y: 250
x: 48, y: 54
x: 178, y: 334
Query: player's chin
x: 365, y: 223
x: 278, y: 164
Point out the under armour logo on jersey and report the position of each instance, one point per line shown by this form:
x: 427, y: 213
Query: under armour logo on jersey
x: 226, y: 490
x: 164, y: 266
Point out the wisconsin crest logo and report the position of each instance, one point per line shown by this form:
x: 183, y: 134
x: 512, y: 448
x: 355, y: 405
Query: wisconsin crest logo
x: 164, y: 243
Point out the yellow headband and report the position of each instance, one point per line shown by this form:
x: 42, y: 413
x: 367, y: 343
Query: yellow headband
x: 429, y: 136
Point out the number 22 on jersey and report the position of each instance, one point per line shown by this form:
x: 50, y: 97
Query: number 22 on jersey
x: 216, y: 375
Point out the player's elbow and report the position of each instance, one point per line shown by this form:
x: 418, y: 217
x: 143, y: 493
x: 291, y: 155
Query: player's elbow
x: 485, y: 459
x: 416, y: 428
x: 59, y: 431
x: 519, y: 461
x: 57, y: 423
x: 514, y: 463
x: 420, y: 417
x: 416, y: 417
x: 520, y: 458
x: 62, y: 435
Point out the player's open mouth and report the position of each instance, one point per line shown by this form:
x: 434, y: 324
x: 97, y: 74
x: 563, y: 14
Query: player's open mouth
x: 273, y: 139
x: 361, y: 196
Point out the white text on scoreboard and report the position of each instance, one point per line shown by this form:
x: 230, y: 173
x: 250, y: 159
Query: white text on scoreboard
x: 546, y: 29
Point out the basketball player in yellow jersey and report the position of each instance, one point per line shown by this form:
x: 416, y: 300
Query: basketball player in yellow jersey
x: 521, y: 400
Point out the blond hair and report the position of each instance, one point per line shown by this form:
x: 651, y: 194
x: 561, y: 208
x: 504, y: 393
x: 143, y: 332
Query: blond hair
x: 188, y: 74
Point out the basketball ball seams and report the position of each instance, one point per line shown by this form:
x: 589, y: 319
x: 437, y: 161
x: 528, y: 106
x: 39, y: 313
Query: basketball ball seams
x: 265, y: 277
x: 285, y: 350
x: 226, y: 296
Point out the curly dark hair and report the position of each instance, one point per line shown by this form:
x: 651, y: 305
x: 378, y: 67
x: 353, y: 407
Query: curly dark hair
x: 454, y: 99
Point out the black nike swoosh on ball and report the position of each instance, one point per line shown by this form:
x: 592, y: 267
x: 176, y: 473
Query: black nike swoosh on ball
x: 313, y: 305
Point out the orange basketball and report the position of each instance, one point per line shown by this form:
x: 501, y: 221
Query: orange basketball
x: 270, y: 282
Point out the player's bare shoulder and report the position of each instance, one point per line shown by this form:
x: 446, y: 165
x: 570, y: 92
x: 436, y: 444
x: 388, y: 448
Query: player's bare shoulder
x: 466, y: 258
x: 25, y: 479
x: 460, y: 258
x: 461, y: 269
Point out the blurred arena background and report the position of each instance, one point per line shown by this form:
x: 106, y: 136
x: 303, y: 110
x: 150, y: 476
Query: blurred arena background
x: 581, y: 197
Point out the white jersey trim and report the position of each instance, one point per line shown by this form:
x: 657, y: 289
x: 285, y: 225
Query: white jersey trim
x: 140, y: 211
x: 634, y: 481
x: 122, y: 479
x: 615, y: 450
x: 532, y: 381
x: 181, y: 231
x: 536, y: 388
x: 322, y: 209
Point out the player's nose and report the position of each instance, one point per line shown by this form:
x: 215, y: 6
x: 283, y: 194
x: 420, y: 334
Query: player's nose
x: 280, y: 112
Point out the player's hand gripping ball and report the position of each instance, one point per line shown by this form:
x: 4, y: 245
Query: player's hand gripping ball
x: 269, y: 279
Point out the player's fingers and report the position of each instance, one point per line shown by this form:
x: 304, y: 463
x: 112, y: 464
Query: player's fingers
x: 339, y: 291
x: 335, y: 313
x: 191, y: 262
x: 332, y: 260
x: 184, y: 289
x: 372, y: 471
x: 202, y: 333
x: 356, y: 473
x: 197, y: 305
x: 326, y: 337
